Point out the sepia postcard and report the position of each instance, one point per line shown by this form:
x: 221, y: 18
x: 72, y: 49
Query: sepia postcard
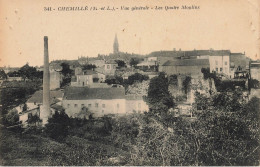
x: 129, y: 83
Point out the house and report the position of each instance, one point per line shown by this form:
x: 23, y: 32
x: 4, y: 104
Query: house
x: 55, y: 80
x: 255, y: 70
x: 99, y: 101
x: 238, y: 62
x: 34, y: 104
x: 109, y: 67
x: 184, y: 66
x: 87, y: 78
x: 135, y: 103
x: 147, y: 66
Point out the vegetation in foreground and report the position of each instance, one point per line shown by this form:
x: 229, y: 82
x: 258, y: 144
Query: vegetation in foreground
x: 224, y: 131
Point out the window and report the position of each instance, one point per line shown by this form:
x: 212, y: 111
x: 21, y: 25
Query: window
x: 96, y: 105
x: 103, y: 106
x: 216, y: 69
x: 117, y: 105
x: 75, y: 105
x: 89, y: 105
x: 220, y: 69
x: 102, y: 111
x: 82, y: 105
x: 108, y: 66
x: 68, y: 105
x: 225, y: 62
x: 216, y: 62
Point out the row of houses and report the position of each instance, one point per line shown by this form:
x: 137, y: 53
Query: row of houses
x: 190, y: 62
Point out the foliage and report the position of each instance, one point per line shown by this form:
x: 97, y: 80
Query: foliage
x: 67, y: 73
x: 253, y: 83
x: 229, y: 101
x: 137, y: 77
x: 120, y: 63
x: 206, y: 73
x: 29, y: 72
x: 13, y: 74
x: 58, y: 125
x: 114, y: 80
x: 159, y: 98
x: 17, y: 92
x: 173, y: 80
x: 3, y: 74
x: 11, y: 118
x: 186, y: 84
x: 33, y: 119
x: 25, y: 107
x: 89, y: 67
x: 134, y: 61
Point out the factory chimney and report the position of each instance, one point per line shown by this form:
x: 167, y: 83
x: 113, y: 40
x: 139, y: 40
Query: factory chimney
x: 46, y: 84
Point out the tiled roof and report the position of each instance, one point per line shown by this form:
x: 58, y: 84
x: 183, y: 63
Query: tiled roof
x: 89, y: 72
x: 190, y: 53
x: 187, y: 62
x: 38, y: 96
x: 257, y: 65
x: 147, y: 63
x: 84, y: 93
x: 134, y: 97
x: 111, y: 62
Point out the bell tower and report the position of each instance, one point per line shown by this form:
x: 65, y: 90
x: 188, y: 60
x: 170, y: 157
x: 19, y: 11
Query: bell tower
x: 116, y: 45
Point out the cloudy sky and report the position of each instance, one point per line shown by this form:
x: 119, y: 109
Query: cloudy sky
x: 218, y: 24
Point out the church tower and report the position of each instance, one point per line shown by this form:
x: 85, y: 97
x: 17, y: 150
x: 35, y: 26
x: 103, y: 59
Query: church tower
x: 116, y: 45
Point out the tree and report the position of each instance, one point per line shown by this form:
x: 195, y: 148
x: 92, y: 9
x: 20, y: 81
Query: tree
x: 66, y: 72
x: 159, y: 98
x: 134, y: 61
x: 3, y: 74
x: 58, y: 125
x: 89, y: 67
x: 186, y: 84
x: 28, y: 72
x: 120, y: 63
x: 114, y: 80
x: 136, y: 77
x: 25, y: 107
x: 33, y: 119
x: 11, y: 118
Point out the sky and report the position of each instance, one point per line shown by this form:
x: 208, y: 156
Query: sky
x: 218, y: 24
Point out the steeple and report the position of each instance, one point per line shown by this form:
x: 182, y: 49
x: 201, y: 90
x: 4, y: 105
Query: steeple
x: 116, y: 45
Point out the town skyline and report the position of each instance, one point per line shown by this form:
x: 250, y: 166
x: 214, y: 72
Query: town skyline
x: 228, y: 25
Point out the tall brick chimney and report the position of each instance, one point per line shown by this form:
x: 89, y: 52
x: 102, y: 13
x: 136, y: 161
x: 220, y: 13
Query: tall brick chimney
x: 46, y: 84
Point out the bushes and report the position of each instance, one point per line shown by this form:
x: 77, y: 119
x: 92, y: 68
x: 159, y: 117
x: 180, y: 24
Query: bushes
x: 58, y: 126
x: 186, y: 84
x: 137, y: 77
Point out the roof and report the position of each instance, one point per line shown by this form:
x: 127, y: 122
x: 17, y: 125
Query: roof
x: 134, y: 97
x: 111, y: 62
x: 190, y: 53
x: 38, y: 96
x: 238, y: 59
x: 57, y: 107
x: 187, y: 62
x: 85, y: 93
x: 255, y: 64
x: 89, y: 72
x: 147, y: 63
